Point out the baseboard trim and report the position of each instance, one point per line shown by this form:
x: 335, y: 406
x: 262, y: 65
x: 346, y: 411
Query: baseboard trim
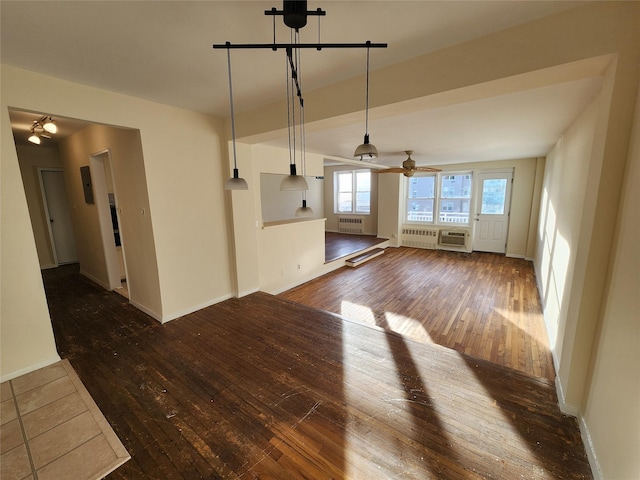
x: 151, y: 313
x: 589, y: 448
x: 30, y: 368
x: 187, y: 311
x: 95, y: 280
x: 247, y: 292
x: 566, y: 408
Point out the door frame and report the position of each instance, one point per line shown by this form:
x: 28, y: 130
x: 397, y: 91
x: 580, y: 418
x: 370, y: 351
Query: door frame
x: 99, y: 182
x: 47, y: 215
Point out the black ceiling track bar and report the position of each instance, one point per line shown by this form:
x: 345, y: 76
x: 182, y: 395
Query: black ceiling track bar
x: 317, y: 46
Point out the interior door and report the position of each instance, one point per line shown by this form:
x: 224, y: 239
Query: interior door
x: 492, y: 217
x: 58, y: 216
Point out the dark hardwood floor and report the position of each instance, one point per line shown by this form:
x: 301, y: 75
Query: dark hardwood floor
x: 264, y: 388
x: 481, y: 304
x: 338, y: 245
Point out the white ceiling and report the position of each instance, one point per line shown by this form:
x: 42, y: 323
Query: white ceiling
x: 162, y: 51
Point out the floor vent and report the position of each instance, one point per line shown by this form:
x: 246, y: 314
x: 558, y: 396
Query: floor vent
x: 350, y: 225
x: 419, y: 237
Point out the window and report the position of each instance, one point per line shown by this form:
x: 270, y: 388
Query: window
x: 446, y: 193
x: 420, y: 199
x: 353, y: 191
x: 455, y: 199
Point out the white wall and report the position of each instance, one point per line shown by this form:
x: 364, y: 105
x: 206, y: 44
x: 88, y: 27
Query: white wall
x: 563, y: 194
x: 185, y: 171
x: 30, y: 158
x: 125, y: 151
x: 612, y: 409
x: 519, y: 241
x: 26, y: 336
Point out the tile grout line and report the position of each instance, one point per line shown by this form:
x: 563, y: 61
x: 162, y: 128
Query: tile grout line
x: 24, y: 433
x: 69, y: 451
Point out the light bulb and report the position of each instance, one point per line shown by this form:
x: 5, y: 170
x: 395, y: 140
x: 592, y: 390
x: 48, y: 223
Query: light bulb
x: 50, y: 127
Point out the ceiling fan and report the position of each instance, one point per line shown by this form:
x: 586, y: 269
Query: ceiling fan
x: 408, y: 167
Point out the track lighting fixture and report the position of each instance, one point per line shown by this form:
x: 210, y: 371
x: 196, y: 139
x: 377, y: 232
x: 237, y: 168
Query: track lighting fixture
x: 34, y: 138
x: 49, y: 125
x: 295, y: 13
x: 42, y: 128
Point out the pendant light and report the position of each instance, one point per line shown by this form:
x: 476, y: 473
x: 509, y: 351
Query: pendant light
x: 304, y: 210
x: 366, y: 149
x: 293, y: 181
x: 235, y: 182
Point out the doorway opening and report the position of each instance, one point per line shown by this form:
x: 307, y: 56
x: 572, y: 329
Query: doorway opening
x: 104, y: 190
x: 57, y: 215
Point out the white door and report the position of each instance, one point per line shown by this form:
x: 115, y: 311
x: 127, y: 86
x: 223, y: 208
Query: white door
x: 492, y: 217
x: 58, y: 216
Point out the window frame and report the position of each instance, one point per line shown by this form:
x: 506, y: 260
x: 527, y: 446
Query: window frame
x: 354, y: 191
x: 439, y: 202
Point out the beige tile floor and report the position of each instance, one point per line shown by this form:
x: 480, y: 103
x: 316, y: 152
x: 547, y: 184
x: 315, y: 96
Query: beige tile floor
x: 50, y: 428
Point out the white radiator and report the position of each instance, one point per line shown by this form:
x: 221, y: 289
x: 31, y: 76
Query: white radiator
x: 453, y: 238
x: 350, y: 225
x: 419, y: 237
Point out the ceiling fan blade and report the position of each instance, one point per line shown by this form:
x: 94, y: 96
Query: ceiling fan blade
x: 390, y: 170
x: 427, y: 169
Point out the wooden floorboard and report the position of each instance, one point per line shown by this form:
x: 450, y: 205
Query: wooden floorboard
x: 480, y: 304
x: 265, y: 388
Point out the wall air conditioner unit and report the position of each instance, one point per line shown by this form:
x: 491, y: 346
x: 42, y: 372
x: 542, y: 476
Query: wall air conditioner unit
x: 452, y: 238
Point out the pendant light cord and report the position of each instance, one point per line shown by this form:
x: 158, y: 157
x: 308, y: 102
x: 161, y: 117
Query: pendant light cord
x: 288, y: 109
x: 366, y: 108
x: 233, y: 122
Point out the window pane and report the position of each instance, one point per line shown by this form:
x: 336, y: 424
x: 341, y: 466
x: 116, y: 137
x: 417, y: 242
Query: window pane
x: 420, y: 199
x: 421, y: 187
x: 363, y: 204
x: 345, y: 182
x: 455, y: 198
x: 344, y: 202
x: 363, y: 181
x: 493, y: 196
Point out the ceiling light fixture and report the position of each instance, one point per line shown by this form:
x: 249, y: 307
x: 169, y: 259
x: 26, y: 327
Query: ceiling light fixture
x: 34, y: 138
x: 295, y: 13
x: 294, y: 181
x: 49, y: 125
x: 235, y: 182
x: 366, y: 149
x: 41, y: 129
